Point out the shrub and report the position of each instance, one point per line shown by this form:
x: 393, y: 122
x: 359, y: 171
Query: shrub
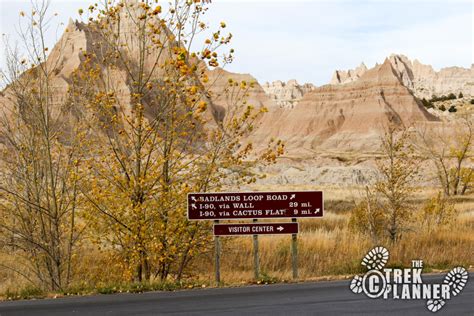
x: 450, y: 96
x: 460, y: 96
x: 442, y: 107
x: 452, y: 109
x: 437, y: 211
x: 427, y: 104
x: 368, y: 218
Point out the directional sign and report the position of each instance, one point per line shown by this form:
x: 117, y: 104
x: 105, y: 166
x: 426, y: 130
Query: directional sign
x: 248, y: 205
x: 255, y: 229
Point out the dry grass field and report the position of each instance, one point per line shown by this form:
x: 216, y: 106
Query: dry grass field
x: 327, y: 249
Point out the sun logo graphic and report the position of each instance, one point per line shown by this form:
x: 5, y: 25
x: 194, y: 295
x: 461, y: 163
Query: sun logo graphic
x: 406, y: 283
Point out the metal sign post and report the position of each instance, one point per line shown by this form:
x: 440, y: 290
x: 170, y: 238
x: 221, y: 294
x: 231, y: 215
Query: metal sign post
x: 294, y: 252
x: 255, y: 255
x: 217, y: 256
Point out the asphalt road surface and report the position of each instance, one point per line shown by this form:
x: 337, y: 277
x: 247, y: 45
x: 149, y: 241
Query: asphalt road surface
x: 321, y: 298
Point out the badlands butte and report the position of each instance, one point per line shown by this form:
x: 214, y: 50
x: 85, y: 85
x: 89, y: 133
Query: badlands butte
x: 332, y: 132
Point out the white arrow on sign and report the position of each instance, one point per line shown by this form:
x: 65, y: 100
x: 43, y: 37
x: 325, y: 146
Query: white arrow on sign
x: 194, y: 206
x: 292, y: 196
x: 280, y: 228
x: 317, y: 211
x: 193, y: 198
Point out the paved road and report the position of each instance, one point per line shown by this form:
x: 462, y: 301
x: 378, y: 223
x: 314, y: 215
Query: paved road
x: 321, y: 298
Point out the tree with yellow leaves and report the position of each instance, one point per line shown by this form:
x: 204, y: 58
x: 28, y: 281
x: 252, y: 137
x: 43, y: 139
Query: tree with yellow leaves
x: 163, y: 138
x: 40, y: 155
x: 386, y: 209
x: 450, y: 151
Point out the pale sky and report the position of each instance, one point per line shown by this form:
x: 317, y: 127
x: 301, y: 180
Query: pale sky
x: 308, y: 40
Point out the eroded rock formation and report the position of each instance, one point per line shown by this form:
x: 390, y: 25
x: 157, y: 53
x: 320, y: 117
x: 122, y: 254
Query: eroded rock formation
x: 287, y: 94
x: 349, y: 117
x: 421, y: 79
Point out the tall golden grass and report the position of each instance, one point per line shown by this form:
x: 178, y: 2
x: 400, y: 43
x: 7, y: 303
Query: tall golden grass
x: 327, y: 248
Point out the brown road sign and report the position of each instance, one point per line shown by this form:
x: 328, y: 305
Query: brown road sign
x: 255, y: 229
x: 248, y: 205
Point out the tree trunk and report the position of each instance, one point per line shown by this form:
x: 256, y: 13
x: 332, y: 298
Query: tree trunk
x: 146, y: 267
x: 138, y: 277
